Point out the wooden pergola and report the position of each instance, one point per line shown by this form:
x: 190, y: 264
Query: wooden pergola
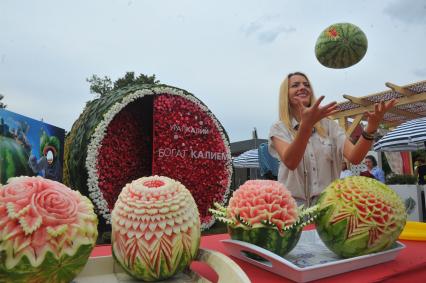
x: 411, y: 105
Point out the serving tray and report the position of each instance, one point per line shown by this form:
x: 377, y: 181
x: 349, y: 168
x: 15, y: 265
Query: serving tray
x: 309, y: 260
x: 104, y: 269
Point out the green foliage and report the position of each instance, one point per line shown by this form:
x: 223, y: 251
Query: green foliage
x: 129, y: 79
x: 396, y: 179
x: 104, y: 85
x: 2, y: 105
x: 99, y: 85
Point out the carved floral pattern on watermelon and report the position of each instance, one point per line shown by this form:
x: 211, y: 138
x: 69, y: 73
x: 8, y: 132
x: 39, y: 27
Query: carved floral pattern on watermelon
x: 155, y: 228
x: 260, y: 201
x: 367, y: 209
x: 332, y: 33
x: 43, y: 226
x: 264, y: 213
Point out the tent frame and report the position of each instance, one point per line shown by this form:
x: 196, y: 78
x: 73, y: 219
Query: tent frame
x: 411, y: 105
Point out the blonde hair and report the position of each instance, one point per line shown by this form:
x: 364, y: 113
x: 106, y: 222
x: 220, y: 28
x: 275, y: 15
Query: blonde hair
x: 284, y: 110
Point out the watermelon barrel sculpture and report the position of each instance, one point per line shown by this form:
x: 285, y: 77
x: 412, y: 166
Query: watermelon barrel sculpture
x: 145, y: 130
x: 47, y: 231
x: 264, y: 213
x: 341, y: 45
x: 155, y: 228
x: 358, y: 216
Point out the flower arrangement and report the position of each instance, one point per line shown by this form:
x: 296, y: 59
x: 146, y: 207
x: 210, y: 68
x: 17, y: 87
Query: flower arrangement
x: 128, y: 133
x: 189, y: 147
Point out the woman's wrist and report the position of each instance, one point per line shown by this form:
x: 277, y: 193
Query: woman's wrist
x: 370, y: 136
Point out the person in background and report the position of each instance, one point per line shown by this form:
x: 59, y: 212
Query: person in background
x: 420, y: 171
x: 372, y: 169
x: 345, y: 171
x: 310, y: 146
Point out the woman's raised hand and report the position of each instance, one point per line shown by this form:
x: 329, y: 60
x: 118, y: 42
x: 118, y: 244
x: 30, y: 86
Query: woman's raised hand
x: 375, y: 117
x: 310, y: 115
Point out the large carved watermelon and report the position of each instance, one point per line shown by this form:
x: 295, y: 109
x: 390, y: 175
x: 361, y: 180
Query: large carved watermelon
x: 263, y: 213
x: 47, y: 231
x: 359, y: 215
x: 341, y: 45
x: 146, y: 130
x: 155, y: 228
x: 13, y: 160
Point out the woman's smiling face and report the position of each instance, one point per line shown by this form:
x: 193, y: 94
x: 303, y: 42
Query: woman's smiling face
x: 299, y: 89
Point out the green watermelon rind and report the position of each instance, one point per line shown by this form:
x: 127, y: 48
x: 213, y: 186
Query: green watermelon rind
x: 268, y: 238
x: 334, y: 235
x: 51, y: 270
x: 329, y: 52
x: 143, y: 272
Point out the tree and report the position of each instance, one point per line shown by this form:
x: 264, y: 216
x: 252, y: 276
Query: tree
x: 2, y: 105
x: 104, y: 85
x: 129, y: 79
x: 99, y: 85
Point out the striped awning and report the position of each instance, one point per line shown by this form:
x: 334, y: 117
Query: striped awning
x: 408, y: 136
x: 247, y: 159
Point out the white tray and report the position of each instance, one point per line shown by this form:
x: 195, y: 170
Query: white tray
x: 309, y: 260
x: 104, y: 269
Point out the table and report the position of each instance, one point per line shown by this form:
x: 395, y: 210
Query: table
x: 409, y: 266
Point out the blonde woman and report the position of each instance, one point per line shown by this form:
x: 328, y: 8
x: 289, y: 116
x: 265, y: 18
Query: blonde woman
x: 311, y: 146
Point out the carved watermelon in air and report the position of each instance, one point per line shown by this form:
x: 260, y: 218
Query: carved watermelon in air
x: 341, y: 45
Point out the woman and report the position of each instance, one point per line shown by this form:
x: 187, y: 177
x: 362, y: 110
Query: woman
x: 372, y: 170
x: 345, y: 171
x: 420, y: 171
x: 312, y: 147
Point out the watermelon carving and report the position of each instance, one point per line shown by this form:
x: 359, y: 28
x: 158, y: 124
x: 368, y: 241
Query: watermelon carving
x: 341, y: 45
x: 359, y: 215
x: 145, y: 130
x: 155, y: 228
x: 47, y: 231
x: 264, y: 213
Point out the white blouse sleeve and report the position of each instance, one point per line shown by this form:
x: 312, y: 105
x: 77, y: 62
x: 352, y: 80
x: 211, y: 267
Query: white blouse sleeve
x: 280, y: 131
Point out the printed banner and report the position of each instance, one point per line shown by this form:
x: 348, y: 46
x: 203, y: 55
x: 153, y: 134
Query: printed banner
x: 29, y: 147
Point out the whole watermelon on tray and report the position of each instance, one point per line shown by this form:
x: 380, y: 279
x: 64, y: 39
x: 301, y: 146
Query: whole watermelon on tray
x: 263, y: 213
x: 358, y: 216
x: 47, y: 231
x: 341, y: 45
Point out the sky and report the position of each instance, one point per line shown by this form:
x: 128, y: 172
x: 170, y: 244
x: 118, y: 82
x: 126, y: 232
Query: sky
x: 232, y: 55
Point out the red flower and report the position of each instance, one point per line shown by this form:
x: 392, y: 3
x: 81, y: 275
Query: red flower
x: 189, y: 147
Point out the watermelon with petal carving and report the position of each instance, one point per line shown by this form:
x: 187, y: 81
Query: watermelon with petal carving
x: 263, y: 213
x: 47, y: 231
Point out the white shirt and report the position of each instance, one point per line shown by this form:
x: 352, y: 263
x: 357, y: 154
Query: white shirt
x: 322, y: 159
x: 346, y: 173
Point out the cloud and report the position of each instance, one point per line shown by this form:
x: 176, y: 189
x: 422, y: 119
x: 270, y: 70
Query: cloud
x: 410, y: 12
x: 266, y: 29
x: 421, y: 72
